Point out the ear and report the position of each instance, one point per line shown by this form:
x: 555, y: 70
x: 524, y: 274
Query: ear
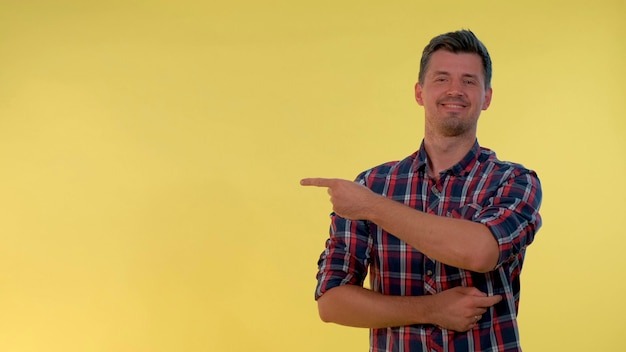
x: 418, y: 94
x: 487, y: 101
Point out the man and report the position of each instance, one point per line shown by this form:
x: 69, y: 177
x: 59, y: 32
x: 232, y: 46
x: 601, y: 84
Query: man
x: 443, y: 232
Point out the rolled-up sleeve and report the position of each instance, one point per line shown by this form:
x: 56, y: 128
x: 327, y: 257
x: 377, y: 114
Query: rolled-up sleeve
x: 346, y: 255
x: 511, y: 213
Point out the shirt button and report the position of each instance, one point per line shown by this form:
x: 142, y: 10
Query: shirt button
x: 429, y: 272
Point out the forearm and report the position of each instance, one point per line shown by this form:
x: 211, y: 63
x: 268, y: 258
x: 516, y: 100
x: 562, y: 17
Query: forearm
x: 359, y: 307
x: 456, y: 242
x: 456, y: 309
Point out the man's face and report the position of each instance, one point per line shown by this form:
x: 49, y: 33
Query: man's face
x: 453, y: 93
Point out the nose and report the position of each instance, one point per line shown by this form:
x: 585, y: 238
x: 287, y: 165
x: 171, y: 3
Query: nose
x: 455, y: 88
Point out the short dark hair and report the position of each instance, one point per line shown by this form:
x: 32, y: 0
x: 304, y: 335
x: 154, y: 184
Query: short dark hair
x: 463, y: 41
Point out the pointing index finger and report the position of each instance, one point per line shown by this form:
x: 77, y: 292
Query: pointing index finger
x: 317, y: 182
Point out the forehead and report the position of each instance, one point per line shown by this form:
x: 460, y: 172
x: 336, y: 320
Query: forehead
x: 455, y: 63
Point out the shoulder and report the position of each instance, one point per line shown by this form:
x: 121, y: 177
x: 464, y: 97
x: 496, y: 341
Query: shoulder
x: 508, y: 175
x: 387, y: 170
x: 489, y: 161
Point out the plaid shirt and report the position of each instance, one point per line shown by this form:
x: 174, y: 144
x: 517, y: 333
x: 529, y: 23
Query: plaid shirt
x: 502, y: 195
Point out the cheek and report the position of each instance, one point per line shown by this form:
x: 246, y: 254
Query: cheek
x: 428, y: 98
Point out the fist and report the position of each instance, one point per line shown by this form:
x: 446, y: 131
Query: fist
x: 350, y: 200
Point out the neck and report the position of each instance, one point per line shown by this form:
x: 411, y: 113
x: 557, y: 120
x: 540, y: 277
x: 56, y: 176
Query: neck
x: 444, y: 152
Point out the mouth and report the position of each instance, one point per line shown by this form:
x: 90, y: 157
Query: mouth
x: 454, y: 105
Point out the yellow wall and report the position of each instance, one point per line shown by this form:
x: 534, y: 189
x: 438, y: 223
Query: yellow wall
x: 150, y: 153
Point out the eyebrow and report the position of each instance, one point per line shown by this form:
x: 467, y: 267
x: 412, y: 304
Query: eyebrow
x: 446, y: 73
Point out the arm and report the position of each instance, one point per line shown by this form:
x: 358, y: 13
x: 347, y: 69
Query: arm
x: 456, y: 242
x: 457, y: 309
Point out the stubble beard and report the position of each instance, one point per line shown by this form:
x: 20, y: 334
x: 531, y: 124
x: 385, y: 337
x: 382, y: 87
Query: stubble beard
x: 455, y: 126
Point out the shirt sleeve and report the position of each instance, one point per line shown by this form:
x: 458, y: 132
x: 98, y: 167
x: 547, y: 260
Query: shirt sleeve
x: 511, y: 213
x: 346, y: 256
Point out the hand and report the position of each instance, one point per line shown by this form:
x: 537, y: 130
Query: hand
x: 350, y: 199
x: 461, y: 308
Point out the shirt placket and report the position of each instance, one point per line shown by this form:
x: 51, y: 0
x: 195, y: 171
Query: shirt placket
x: 431, y: 286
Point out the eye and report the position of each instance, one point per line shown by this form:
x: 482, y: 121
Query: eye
x: 469, y: 82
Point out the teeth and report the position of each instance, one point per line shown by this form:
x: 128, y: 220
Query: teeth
x: 454, y: 106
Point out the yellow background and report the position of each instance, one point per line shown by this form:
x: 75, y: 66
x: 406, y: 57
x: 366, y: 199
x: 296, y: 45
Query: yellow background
x: 150, y: 153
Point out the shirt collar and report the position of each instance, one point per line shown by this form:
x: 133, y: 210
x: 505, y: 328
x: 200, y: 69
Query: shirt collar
x: 459, y: 169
